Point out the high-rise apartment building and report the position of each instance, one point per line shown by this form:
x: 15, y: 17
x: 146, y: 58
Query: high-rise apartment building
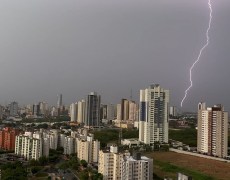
x: 111, y: 112
x: 13, y: 109
x: 28, y: 147
x: 137, y: 167
x: 127, y: 110
x: 121, y: 166
x: 54, y: 137
x: 124, y: 109
x: 81, y: 111
x: 133, y: 109
x: 1, y: 112
x: 69, y: 145
x: 212, y: 134
x: 88, y: 148
x: 173, y: 111
x: 153, y: 125
x: 36, y: 109
x: 110, y: 163
x: 7, y: 138
x: 93, y: 109
x: 43, y: 108
x: 118, y: 111
x: 73, y: 112
x: 59, y: 101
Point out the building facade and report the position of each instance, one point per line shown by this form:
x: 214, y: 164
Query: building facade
x: 121, y: 166
x: 28, y: 147
x: 88, y: 148
x: 93, y: 109
x: 81, y: 111
x: 154, y: 115
x: 73, y: 112
x: 212, y: 134
x: 7, y: 138
x: 13, y: 109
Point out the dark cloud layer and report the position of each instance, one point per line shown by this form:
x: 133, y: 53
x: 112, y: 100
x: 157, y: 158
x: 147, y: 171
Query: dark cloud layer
x: 74, y: 47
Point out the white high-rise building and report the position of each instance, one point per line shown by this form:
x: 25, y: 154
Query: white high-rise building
x: 59, y: 101
x: 69, y: 146
x: 53, y: 136
x: 28, y: 147
x: 137, y: 167
x: 212, y: 134
x: 153, y: 125
x: 61, y: 142
x: 81, y: 111
x: 73, y: 112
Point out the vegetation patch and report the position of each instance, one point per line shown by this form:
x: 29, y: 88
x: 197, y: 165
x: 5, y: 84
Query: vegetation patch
x: 187, y: 136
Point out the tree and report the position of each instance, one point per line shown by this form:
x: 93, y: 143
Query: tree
x: 43, y: 160
x: 84, y: 163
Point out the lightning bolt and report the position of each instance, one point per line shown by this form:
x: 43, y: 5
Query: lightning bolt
x: 200, y: 53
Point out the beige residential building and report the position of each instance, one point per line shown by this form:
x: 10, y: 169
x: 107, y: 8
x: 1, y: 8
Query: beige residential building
x: 110, y: 163
x: 81, y: 111
x: 88, y: 149
x: 121, y: 166
x: 212, y: 134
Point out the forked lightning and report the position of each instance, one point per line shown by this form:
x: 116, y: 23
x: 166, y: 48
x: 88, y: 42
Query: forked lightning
x: 200, y: 53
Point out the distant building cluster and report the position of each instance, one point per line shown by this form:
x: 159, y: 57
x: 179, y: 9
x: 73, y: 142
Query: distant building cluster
x: 150, y: 116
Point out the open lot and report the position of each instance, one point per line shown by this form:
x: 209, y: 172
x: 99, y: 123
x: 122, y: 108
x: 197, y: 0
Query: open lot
x: 167, y: 164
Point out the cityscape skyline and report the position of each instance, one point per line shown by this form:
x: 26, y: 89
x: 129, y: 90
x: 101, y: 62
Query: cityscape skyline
x: 76, y: 47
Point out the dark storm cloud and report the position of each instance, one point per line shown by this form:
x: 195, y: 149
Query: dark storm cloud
x: 74, y: 47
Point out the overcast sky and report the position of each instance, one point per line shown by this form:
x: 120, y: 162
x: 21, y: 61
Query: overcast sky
x: 74, y: 47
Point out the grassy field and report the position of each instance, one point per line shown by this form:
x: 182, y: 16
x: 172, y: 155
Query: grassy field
x: 167, y: 164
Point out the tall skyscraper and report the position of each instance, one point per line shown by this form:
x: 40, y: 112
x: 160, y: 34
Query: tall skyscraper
x: 36, y: 109
x: 93, y: 109
x: 13, y: 109
x: 212, y: 134
x: 59, y: 101
x: 153, y: 125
